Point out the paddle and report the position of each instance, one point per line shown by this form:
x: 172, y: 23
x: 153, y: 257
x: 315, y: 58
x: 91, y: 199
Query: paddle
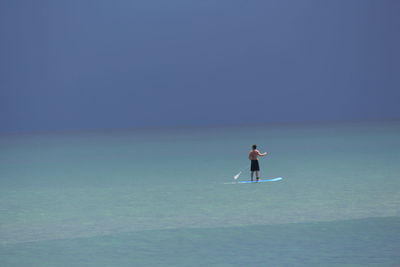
x: 237, y: 175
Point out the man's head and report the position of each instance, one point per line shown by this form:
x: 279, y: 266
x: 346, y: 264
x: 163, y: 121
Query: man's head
x: 254, y: 146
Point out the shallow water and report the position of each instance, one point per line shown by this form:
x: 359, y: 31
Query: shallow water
x: 162, y: 197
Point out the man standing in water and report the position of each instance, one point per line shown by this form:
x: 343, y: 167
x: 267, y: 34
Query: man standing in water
x: 253, y: 157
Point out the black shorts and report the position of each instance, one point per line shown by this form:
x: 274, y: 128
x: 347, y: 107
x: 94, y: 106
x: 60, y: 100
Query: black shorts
x: 254, y: 166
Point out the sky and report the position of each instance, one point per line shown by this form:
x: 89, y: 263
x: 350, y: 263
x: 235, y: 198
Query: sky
x: 80, y: 64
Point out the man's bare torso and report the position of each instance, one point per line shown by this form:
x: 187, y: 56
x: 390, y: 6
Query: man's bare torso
x: 253, y: 155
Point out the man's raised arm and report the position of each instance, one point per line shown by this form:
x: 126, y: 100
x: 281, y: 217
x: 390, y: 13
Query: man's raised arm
x: 262, y: 154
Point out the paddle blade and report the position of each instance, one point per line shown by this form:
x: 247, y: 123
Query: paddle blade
x: 237, y: 175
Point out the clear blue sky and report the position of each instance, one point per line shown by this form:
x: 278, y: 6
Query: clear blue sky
x: 79, y: 64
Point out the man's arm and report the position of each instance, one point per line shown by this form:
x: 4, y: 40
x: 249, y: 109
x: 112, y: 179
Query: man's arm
x: 261, y: 154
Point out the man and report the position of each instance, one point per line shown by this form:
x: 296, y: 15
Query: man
x: 253, y: 157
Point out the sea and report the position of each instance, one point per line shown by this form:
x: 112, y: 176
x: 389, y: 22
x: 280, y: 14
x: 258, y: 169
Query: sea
x: 168, y: 197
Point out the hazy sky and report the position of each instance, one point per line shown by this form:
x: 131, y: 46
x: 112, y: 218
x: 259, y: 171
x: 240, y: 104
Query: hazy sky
x: 125, y: 63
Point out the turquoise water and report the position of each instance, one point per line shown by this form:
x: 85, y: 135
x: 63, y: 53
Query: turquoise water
x: 164, y: 197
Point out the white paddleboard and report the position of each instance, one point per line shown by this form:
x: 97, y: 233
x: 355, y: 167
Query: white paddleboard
x: 261, y: 181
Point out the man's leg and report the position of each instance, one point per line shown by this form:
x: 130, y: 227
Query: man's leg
x: 257, y: 176
x: 252, y: 176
